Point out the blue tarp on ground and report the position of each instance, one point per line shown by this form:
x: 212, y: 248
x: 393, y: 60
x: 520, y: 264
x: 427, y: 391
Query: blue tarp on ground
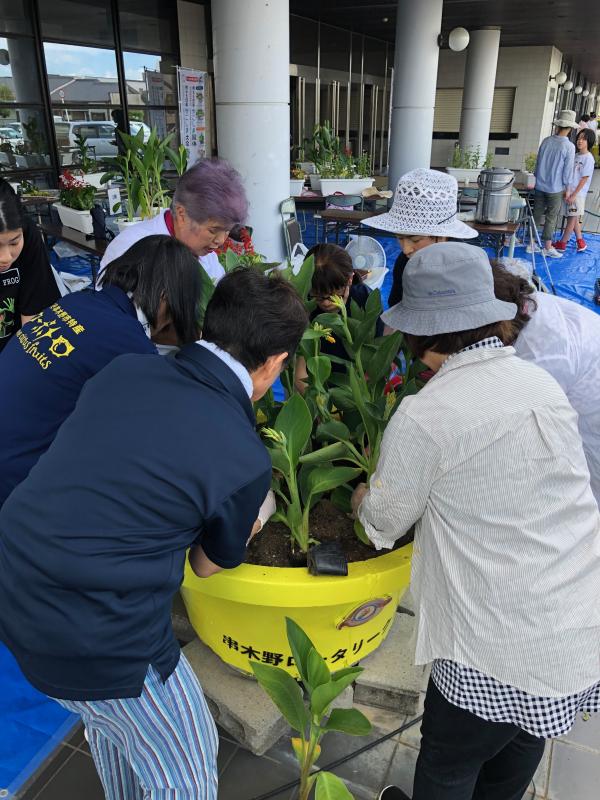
x: 32, y: 725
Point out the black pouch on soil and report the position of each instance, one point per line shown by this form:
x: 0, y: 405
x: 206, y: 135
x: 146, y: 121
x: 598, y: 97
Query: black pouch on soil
x: 327, y: 559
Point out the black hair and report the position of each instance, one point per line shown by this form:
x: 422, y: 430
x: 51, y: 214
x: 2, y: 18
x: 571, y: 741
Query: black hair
x: 333, y: 269
x: 589, y: 136
x: 161, y: 268
x: 585, y: 117
x: 11, y: 210
x: 514, y: 289
x: 253, y: 316
x: 450, y: 343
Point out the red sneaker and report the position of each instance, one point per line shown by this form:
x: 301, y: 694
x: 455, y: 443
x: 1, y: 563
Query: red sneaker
x: 560, y: 245
x: 581, y: 245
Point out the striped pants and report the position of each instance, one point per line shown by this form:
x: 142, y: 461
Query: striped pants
x: 159, y: 746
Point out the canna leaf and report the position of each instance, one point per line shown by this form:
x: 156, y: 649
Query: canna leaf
x: 334, y: 429
x: 318, y: 673
x: 323, y: 479
x: 380, y: 363
x: 329, y: 453
x: 300, y: 645
x: 330, y: 787
x: 303, y: 280
x: 324, y: 695
x: 284, y: 692
x: 348, y: 720
x: 295, y: 421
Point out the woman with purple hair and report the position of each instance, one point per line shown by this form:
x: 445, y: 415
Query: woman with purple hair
x: 208, y: 201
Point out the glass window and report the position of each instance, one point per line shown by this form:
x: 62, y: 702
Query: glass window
x: 303, y: 41
x: 148, y: 25
x: 16, y: 17
x: 85, y: 21
x: 374, y: 57
x: 79, y: 74
x: 18, y: 77
x: 335, y: 48
x: 151, y: 79
x: 165, y: 120
x: 23, y: 140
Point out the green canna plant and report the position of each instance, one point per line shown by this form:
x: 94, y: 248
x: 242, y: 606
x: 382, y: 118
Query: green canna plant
x: 299, y: 486
x: 309, y: 713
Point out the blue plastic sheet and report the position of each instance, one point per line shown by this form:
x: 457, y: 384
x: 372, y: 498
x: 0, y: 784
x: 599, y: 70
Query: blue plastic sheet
x: 32, y: 725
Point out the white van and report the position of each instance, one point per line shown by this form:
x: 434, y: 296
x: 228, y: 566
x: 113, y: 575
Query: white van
x: 100, y: 136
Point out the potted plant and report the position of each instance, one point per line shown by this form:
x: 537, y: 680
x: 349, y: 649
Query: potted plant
x: 309, y: 713
x: 141, y: 169
x: 320, y: 149
x: 76, y: 201
x: 467, y: 164
x: 297, y: 178
x: 87, y: 163
x: 319, y: 444
x: 346, y: 175
x: 527, y: 176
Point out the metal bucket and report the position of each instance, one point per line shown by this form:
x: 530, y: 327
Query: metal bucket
x: 493, y: 201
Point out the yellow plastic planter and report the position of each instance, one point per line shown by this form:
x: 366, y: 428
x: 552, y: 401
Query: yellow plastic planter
x: 240, y: 613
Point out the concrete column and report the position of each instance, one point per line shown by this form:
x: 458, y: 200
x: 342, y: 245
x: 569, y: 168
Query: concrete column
x: 252, y: 93
x: 415, y: 77
x: 478, y: 93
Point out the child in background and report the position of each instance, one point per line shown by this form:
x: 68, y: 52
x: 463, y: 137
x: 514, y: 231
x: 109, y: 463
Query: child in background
x: 574, y: 206
x: 334, y: 275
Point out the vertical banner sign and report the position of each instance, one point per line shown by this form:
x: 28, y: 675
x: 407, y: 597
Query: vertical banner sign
x: 155, y: 87
x: 192, y: 116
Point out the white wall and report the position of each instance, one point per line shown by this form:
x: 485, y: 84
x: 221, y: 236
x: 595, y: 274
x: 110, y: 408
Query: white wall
x: 525, y: 68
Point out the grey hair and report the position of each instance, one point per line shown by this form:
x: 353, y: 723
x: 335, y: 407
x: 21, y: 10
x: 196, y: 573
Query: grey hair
x: 212, y: 189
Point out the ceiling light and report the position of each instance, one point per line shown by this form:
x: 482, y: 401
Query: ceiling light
x: 560, y: 77
x: 585, y: 93
x: 568, y: 86
x: 458, y: 39
x: 578, y: 89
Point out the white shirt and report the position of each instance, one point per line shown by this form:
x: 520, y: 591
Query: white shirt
x: 488, y: 463
x: 583, y: 166
x: 151, y: 227
x: 564, y: 338
x: 234, y: 365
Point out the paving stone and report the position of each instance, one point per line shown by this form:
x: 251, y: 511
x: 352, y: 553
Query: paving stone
x: 238, y: 705
x: 402, y: 769
x: 574, y: 773
x: 390, y: 679
x: 585, y: 733
x: 382, y: 719
x: 363, y: 774
x: 542, y: 773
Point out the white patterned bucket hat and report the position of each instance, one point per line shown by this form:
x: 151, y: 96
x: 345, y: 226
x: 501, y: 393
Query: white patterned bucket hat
x: 424, y: 205
x: 566, y: 119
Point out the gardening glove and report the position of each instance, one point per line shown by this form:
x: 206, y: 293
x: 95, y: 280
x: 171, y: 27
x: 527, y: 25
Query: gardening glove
x: 266, y: 511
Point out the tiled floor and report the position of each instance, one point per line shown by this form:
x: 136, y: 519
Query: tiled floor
x: 570, y: 769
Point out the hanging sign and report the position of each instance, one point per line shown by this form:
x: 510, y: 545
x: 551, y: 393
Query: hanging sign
x: 192, y: 114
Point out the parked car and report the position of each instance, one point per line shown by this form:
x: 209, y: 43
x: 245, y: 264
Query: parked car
x: 100, y: 136
x: 10, y: 135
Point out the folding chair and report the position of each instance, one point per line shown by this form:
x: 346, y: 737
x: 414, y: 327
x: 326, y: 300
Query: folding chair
x: 292, y: 232
x: 341, y: 201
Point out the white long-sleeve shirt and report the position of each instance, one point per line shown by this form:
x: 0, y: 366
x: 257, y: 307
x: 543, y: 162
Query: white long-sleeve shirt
x: 488, y: 462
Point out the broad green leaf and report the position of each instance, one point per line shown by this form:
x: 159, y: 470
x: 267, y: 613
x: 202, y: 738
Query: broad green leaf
x: 361, y: 534
x: 303, y: 476
x: 334, y: 429
x: 284, y: 692
x: 342, y: 399
x: 318, y: 673
x: 347, y: 671
x: 332, y: 451
x: 380, y: 363
x: 340, y: 497
x: 366, y: 331
x: 356, y: 312
x: 348, y: 720
x: 303, y: 280
x: 207, y: 289
x: 360, y: 402
x: 232, y: 260
x: 330, y: 320
x: 323, y: 479
x: 295, y: 421
x: 330, y: 787
x: 323, y: 696
x: 279, y: 460
x: 300, y: 645
x: 319, y: 367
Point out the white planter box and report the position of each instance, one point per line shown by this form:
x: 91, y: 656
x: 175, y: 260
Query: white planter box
x: 123, y: 222
x: 296, y: 186
x: 93, y: 178
x: 345, y: 185
x: 526, y: 178
x: 72, y: 218
x: 315, y: 182
x: 464, y: 175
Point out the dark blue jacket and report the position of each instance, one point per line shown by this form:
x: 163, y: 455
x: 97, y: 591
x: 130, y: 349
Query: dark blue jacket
x: 45, y: 365
x: 159, y: 454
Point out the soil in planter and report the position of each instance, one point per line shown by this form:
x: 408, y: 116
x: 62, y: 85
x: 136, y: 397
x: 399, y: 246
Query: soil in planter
x: 272, y: 547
